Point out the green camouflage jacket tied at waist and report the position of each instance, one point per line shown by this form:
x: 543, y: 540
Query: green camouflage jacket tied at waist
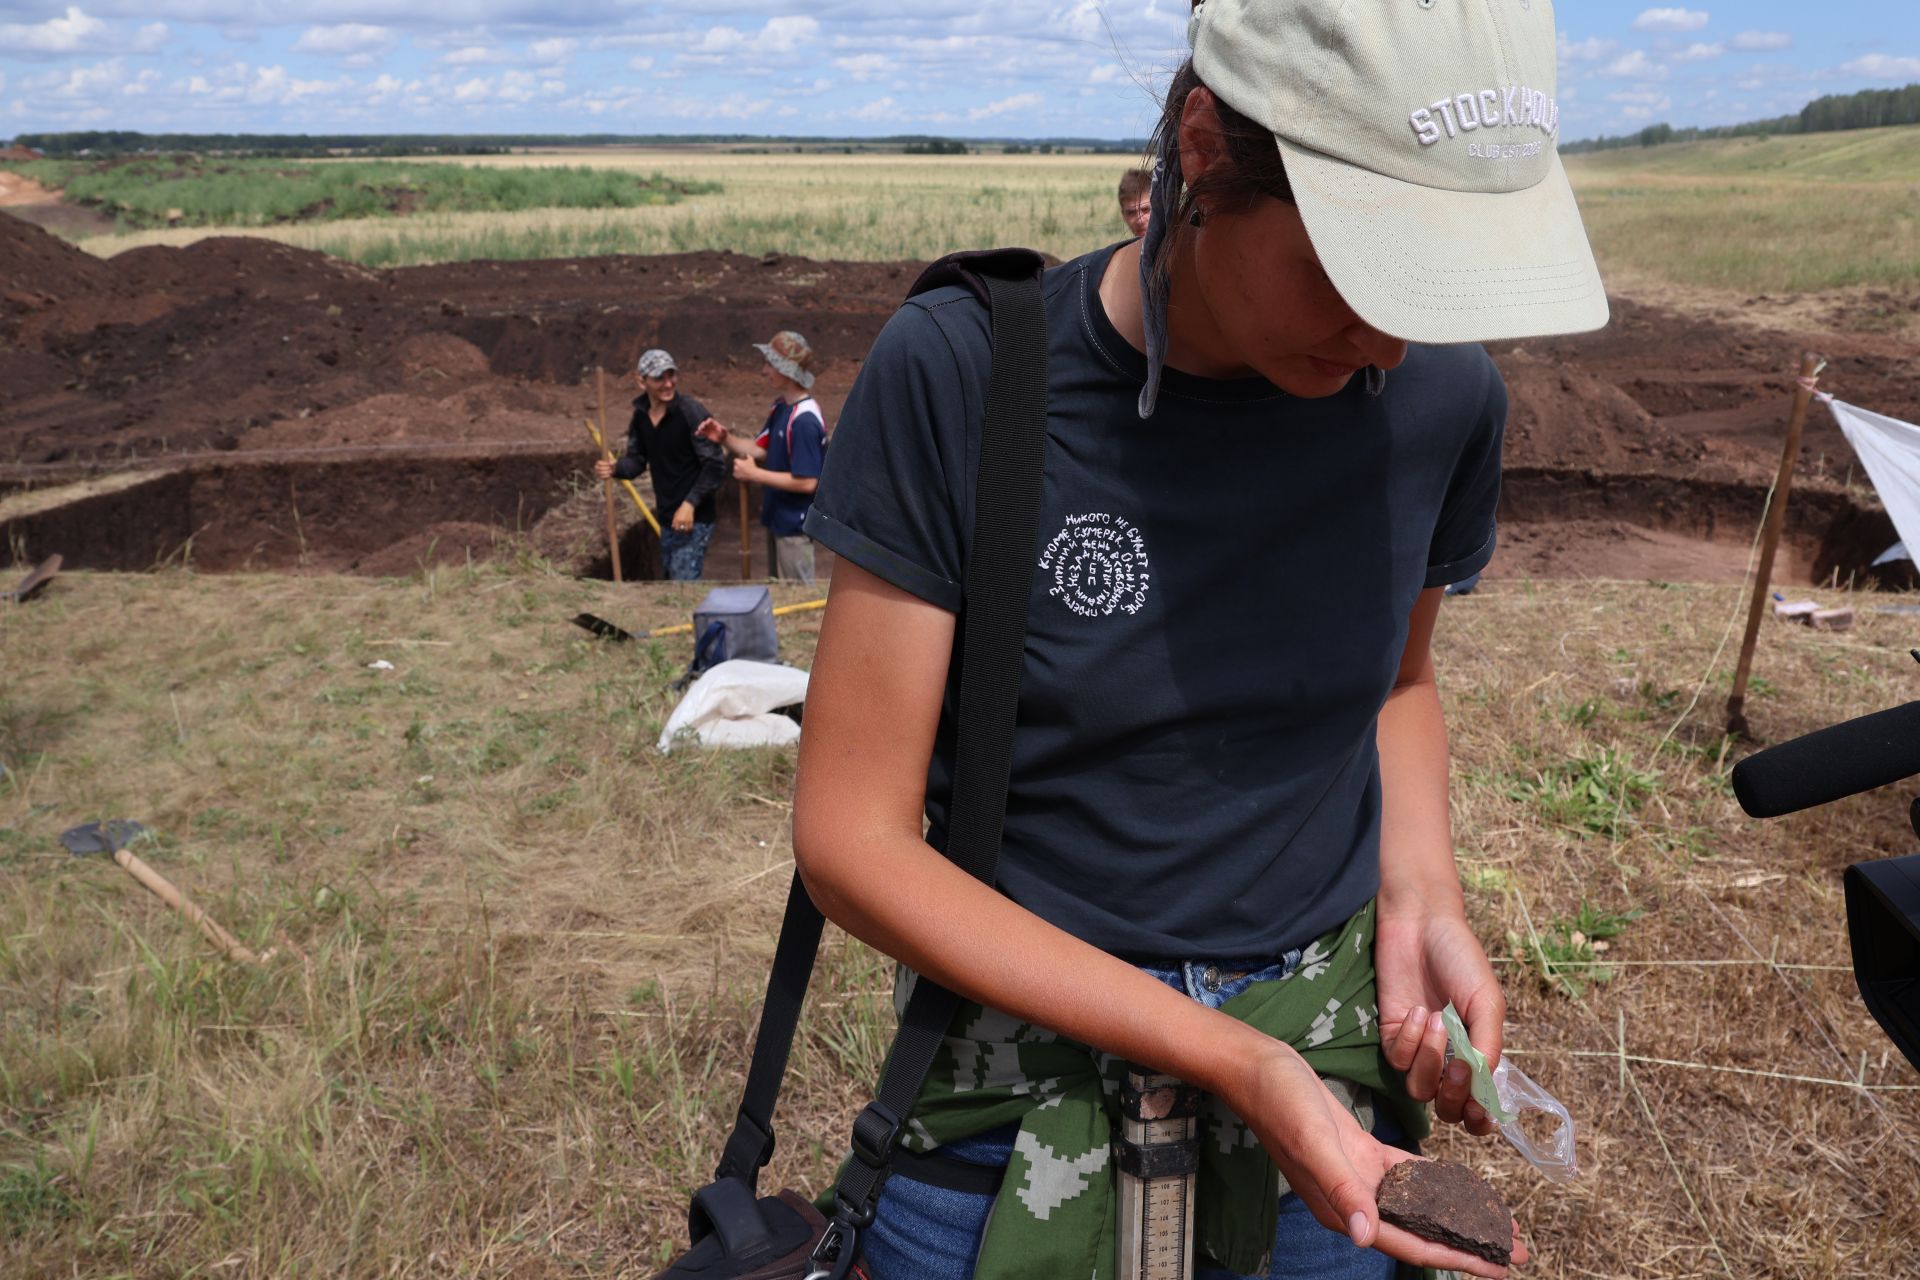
x: 1055, y: 1212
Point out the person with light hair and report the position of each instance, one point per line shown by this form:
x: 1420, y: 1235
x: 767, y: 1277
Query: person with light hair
x: 786, y: 458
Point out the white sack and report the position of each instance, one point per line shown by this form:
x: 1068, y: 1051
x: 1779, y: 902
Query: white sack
x: 1890, y: 449
x: 735, y: 704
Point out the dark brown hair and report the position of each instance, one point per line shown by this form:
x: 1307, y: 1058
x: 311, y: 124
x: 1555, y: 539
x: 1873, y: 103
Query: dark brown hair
x: 1134, y: 183
x: 1253, y: 168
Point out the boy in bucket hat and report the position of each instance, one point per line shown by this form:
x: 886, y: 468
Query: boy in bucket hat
x: 786, y: 457
x: 687, y: 469
x: 1226, y: 854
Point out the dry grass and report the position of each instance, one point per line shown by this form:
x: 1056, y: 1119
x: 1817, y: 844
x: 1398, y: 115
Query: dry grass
x: 518, y: 949
x: 864, y: 208
x: 1783, y: 215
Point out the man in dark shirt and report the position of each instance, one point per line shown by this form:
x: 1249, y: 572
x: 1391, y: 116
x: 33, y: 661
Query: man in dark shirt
x: 687, y: 470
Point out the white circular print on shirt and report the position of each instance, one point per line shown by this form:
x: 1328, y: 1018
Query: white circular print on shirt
x: 1099, y: 566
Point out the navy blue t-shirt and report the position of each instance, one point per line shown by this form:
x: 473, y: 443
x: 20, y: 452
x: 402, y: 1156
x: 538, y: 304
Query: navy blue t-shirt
x: 1218, y: 614
x: 795, y: 439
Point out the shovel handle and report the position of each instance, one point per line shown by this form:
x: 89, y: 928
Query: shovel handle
x: 162, y: 888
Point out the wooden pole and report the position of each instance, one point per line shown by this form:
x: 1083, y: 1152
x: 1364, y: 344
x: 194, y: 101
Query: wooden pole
x: 746, y: 544
x: 613, y: 535
x: 1810, y: 366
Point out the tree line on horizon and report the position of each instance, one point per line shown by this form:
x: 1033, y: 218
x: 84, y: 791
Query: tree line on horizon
x: 1835, y: 113
x: 125, y: 142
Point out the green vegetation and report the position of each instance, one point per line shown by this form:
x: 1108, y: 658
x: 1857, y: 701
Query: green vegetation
x: 194, y: 191
x: 123, y: 142
x: 1565, y: 956
x: 1595, y: 793
x: 1777, y: 215
x: 1867, y: 109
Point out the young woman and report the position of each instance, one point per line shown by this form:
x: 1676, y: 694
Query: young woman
x: 1227, y: 852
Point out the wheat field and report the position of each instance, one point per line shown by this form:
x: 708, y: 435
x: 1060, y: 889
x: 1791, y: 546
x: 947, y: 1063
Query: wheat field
x: 862, y: 207
x: 1779, y: 215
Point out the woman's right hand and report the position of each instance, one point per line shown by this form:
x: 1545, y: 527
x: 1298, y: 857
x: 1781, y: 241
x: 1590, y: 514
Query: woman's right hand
x: 1333, y: 1165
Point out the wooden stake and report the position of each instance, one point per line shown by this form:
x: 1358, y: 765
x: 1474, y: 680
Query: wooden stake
x: 613, y: 536
x: 1810, y: 366
x: 746, y: 545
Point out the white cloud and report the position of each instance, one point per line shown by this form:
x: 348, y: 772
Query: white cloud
x: 780, y: 35
x: 517, y: 86
x: 558, y: 49
x: 878, y: 110
x: 640, y: 64
x: 473, y: 90
x: 1018, y: 102
x: 75, y: 32
x: 1649, y: 98
x: 1107, y: 73
x: 150, y: 37
x: 86, y: 82
x: 1592, y: 49
x: 1700, y: 53
x: 345, y: 39
x: 1762, y: 41
x: 1671, y: 20
x: 863, y: 67
x: 1879, y: 66
x: 471, y: 55
x: 1635, y: 66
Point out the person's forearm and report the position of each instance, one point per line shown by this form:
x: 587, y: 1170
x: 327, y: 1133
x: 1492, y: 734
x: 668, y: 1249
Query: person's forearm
x: 788, y: 483
x: 944, y: 924
x: 1417, y: 869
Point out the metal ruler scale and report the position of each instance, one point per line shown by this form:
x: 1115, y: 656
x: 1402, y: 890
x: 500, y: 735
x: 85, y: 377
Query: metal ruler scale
x: 1158, y: 1155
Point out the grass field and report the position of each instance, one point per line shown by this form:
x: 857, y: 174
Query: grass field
x: 1819, y: 212
x: 517, y: 950
x: 862, y: 207
x: 1790, y: 214
x: 196, y: 192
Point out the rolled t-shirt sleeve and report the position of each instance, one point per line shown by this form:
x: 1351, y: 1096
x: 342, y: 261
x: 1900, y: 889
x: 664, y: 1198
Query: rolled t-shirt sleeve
x: 1465, y: 535
x: 894, y: 492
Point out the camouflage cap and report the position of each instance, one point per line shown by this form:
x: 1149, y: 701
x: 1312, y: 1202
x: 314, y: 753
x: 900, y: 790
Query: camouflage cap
x: 790, y: 355
x: 655, y: 364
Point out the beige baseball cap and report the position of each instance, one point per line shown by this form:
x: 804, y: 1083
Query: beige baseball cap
x: 1421, y: 138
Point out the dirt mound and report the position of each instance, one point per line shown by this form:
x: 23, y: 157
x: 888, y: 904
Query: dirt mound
x: 15, y: 151
x: 242, y: 344
x: 1561, y: 416
x: 39, y: 271
x: 236, y: 266
x: 452, y: 543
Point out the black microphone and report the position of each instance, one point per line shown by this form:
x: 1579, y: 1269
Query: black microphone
x: 1831, y: 764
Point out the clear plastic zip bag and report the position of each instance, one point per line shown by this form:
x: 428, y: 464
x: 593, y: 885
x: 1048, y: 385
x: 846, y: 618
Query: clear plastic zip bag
x: 1506, y: 1092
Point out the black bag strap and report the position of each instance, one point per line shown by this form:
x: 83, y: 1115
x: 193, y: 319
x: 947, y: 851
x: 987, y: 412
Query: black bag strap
x: 993, y: 621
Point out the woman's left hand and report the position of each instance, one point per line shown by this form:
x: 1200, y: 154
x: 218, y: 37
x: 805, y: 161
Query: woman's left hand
x: 1425, y: 962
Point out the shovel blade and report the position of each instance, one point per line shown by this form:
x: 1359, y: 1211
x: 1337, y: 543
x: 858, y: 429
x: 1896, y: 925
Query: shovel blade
x: 101, y: 837
x: 602, y: 628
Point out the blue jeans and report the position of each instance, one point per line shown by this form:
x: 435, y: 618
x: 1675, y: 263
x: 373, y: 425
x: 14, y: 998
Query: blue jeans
x: 931, y: 1233
x: 684, y: 555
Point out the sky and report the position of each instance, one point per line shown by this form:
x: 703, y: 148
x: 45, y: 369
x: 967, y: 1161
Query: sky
x: 842, y: 68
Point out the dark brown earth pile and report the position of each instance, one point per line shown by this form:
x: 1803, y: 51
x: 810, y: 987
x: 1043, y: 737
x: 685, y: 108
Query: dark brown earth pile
x: 244, y: 344
x: 227, y: 343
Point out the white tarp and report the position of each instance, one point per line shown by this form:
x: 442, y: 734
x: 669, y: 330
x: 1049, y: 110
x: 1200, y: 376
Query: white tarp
x: 735, y: 704
x: 1890, y: 450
